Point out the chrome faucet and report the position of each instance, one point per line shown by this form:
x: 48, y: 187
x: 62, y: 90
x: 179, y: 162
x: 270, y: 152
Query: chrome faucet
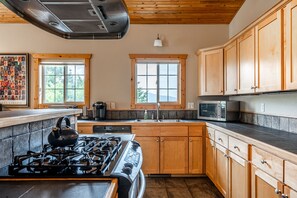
x: 158, y: 109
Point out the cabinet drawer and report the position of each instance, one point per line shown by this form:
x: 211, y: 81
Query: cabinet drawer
x: 174, y: 131
x: 146, y: 131
x: 85, y: 129
x: 291, y: 174
x: 210, y: 133
x: 267, y: 162
x: 238, y: 147
x: 221, y: 138
x: 195, y: 130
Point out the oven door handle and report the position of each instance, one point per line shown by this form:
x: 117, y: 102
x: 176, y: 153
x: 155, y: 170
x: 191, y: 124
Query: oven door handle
x: 142, y: 184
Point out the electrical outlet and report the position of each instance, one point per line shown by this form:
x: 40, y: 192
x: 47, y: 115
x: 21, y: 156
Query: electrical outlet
x: 190, y: 105
x: 262, y: 107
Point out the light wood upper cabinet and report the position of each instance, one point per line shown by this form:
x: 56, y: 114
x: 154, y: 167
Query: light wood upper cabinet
x: 174, y: 155
x: 269, y: 53
x: 246, y: 62
x: 150, y: 150
x: 211, y: 72
x: 230, y: 69
x: 291, y: 45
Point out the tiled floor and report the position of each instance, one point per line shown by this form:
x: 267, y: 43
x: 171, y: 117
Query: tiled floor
x: 179, y: 187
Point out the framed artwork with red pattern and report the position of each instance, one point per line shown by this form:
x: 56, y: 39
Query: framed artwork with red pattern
x: 14, y: 80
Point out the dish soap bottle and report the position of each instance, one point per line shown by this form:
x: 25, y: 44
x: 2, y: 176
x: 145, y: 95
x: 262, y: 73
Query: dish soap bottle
x: 145, y: 116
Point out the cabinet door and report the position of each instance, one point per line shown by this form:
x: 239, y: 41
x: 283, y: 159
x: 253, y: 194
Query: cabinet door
x: 174, y: 153
x: 150, y: 150
x: 246, y: 62
x: 230, y: 69
x: 239, y: 177
x: 291, y: 45
x: 211, y: 72
x: 269, y: 53
x: 289, y: 193
x: 85, y: 129
x: 222, y: 170
x: 195, y: 155
x: 210, y: 159
x: 263, y: 185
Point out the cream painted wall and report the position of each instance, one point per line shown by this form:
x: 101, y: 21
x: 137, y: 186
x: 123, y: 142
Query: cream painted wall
x: 248, y: 13
x: 110, y: 64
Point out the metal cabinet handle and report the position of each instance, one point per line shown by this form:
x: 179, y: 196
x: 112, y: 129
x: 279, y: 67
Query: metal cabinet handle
x: 220, y: 139
x: 263, y: 162
x: 209, y: 134
x: 252, y: 87
x: 225, y: 155
x: 277, y: 191
x: 235, y: 89
x: 157, y: 140
x: 236, y: 147
x: 285, y: 196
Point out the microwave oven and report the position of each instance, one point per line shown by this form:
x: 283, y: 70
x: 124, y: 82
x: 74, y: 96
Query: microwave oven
x: 219, y: 110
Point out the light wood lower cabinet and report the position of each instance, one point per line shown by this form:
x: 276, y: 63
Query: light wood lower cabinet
x: 222, y: 169
x: 150, y: 149
x: 210, y: 159
x: 174, y: 155
x: 195, y: 155
x: 239, y: 175
x: 264, y: 185
x: 289, y: 193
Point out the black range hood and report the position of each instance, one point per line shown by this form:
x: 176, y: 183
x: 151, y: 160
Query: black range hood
x: 75, y: 19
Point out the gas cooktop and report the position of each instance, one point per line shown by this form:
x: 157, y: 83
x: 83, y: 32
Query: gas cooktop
x: 90, y: 155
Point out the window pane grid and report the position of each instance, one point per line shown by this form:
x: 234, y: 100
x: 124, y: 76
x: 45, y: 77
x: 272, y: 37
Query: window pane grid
x: 162, y: 87
x: 63, y: 83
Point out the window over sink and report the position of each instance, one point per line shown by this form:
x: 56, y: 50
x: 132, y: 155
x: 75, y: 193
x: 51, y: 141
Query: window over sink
x: 63, y: 80
x: 158, y: 79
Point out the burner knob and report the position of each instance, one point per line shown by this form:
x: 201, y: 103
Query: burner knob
x: 127, y: 170
x: 128, y: 165
x: 135, y: 146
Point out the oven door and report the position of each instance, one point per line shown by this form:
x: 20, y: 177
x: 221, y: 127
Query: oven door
x: 138, y: 187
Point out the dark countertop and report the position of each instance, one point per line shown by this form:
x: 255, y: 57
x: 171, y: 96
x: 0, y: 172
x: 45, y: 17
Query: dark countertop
x: 58, y: 189
x: 280, y: 139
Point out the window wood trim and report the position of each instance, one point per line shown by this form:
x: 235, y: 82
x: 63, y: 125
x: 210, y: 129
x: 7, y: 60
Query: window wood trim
x: 37, y: 58
x: 182, y: 81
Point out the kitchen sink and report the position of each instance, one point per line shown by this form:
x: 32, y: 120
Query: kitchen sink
x: 160, y: 121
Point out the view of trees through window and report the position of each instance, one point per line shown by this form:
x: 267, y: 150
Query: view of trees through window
x: 157, y: 82
x: 63, y: 83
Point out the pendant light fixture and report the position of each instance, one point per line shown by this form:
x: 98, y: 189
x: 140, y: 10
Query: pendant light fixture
x: 158, y: 42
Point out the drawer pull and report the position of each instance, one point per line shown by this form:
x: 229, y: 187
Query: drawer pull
x: 209, y: 134
x: 277, y: 191
x: 285, y: 196
x: 225, y: 155
x: 236, y: 147
x: 220, y: 139
x: 263, y: 162
x: 157, y: 140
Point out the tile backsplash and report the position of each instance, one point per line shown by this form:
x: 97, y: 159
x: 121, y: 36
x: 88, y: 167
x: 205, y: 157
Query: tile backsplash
x: 269, y: 121
x: 139, y: 114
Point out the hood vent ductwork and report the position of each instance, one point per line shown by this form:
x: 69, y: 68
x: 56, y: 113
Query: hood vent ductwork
x: 75, y: 19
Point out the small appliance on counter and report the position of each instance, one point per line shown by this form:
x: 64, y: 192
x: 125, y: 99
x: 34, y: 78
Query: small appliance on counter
x: 219, y: 110
x: 99, y: 110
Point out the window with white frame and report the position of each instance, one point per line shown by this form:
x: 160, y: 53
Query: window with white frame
x: 62, y: 83
x: 158, y: 79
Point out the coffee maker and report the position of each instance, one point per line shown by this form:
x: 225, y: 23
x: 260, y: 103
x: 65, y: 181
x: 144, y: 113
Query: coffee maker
x: 99, y: 110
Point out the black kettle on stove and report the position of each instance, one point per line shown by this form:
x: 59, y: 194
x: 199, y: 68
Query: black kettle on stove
x: 62, y: 136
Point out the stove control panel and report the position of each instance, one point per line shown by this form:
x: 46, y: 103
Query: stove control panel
x: 130, y: 163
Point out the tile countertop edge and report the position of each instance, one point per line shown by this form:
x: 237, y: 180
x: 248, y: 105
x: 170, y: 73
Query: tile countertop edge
x: 281, y: 153
x: 11, y: 118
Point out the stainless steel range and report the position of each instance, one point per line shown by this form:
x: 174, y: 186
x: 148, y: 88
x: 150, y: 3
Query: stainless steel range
x: 91, y: 156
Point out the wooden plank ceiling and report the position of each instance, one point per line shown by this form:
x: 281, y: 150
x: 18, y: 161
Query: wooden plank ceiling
x: 166, y: 12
